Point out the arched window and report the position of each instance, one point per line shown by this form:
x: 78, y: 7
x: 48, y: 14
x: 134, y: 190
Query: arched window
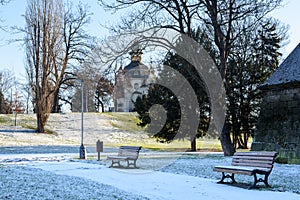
x: 136, y: 86
x: 136, y: 73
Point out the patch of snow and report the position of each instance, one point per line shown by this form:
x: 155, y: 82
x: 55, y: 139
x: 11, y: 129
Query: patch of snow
x: 58, y: 176
x: 20, y: 182
x: 159, y: 185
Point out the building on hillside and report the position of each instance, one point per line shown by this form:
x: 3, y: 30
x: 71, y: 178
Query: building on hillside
x: 132, y: 81
x: 278, y: 127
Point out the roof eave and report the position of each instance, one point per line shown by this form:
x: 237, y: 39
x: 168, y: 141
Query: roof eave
x: 288, y: 85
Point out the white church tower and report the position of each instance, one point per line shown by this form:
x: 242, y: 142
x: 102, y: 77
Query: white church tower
x: 132, y: 81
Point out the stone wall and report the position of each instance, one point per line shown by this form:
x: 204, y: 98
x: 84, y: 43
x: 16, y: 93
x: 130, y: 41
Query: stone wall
x: 278, y: 128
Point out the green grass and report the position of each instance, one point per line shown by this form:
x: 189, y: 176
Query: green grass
x: 127, y: 122
x: 124, y: 121
x: 203, y: 144
x: 5, y: 120
x: 23, y: 120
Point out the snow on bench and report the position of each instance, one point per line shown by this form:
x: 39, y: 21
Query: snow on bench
x: 126, y: 153
x: 249, y: 163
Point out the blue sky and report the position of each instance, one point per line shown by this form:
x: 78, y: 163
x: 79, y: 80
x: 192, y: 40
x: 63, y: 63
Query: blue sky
x: 12, y: 55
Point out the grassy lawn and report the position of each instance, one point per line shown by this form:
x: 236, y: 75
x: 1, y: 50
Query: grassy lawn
x: 21, y: 120
x: 127, y: 122
x: 124, y: 130
x: 124, y: 121
x: 178, y: 145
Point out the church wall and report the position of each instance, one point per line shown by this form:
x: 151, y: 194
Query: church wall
x: 278, y: 128
x: 132, y: 81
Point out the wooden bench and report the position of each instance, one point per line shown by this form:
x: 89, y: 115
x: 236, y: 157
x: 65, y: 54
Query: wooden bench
x: 126, y: 153
x: 249, y: 163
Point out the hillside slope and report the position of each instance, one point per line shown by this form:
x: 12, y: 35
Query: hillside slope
x: 65, y: 129
x: 114, y: 129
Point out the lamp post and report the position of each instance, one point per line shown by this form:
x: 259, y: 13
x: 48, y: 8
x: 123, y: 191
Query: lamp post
x: 82, y: 152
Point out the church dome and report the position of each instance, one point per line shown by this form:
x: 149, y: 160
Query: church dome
x: 136, y: 69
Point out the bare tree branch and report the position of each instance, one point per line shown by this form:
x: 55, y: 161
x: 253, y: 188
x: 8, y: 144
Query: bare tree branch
x: 54, y: 37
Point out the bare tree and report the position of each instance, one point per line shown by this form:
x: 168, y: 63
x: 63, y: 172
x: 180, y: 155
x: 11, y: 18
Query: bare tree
x: 178, y: 15
x: 104, y: 90
x: 223, y: 19
x: 26, y: 92
x: 53, y: 39
x: 5, y: 107
x: 175, y: 14
x: 97, y: 89
x: 7, y: 80
x: 2, y: 2
x: 77, y: 47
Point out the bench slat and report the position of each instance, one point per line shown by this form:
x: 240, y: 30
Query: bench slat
x: 116, y: 157
x: 268, y: 163
x: 241, y: 160
x: 128, y: 153
x: 131, y: 147
x: 249, y: 163
x: 240, y: 169
x: 253, y: 157
x: 255, y: 153
x: 249, y: 173
x: 253, y: 165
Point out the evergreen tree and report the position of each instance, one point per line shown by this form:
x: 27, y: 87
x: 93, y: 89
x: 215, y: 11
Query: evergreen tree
x: 255, y: 57
x: 159, y: 95
x: 163, y: 96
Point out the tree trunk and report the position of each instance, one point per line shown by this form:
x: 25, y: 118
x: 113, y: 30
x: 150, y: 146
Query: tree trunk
x: 40, y: 124
x: 55, y: 108
x: 43, y: 108
x: 242, y: 142
x: 0, y: 103
x: 227, y: 145
x: 193, y: 144
x: 102, y: 106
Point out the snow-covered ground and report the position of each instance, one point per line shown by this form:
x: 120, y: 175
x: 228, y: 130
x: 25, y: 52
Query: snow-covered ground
x: 60, y: 176
x: 45, y: 166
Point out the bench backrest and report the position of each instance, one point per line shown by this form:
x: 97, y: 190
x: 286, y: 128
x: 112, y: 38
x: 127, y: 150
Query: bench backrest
x: 131, y: 151
x: 254, y: 159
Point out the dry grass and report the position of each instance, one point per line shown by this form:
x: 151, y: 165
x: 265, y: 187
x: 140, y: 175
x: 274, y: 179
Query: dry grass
x: 114, y: 129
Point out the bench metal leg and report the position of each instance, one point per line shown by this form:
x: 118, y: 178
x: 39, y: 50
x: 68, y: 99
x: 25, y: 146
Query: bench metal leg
x: 265, y: 180
x: 128, y: 163
x: 133, y: 163
x: 227, y: 176
x: 114, y: 162
x: 255, y: 181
